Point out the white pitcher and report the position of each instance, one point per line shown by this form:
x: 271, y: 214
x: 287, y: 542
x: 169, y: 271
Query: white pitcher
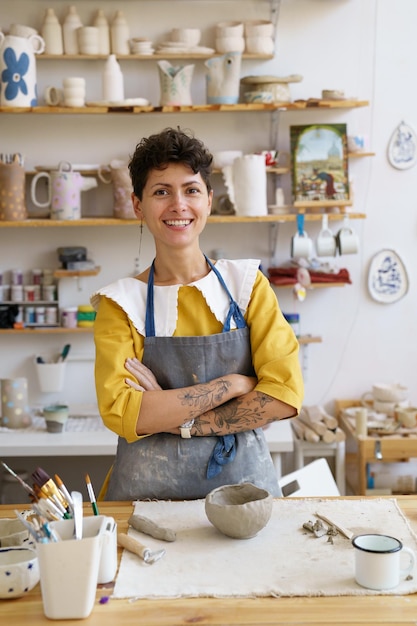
x: 246, y: 184
x: 175, y: 82
x: 18, y: 86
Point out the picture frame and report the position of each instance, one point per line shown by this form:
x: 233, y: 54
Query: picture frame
x: 319, y: 165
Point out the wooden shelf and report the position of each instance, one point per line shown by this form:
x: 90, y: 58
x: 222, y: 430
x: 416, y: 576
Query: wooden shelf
x: 145, y: 57
x: 62, y: 273
x: 312, y: 285
x: 197, y: 108
x: 213, y: 219
x: 51, y: 330
x: 305, y: 339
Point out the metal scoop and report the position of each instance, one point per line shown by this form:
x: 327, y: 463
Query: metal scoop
x: 138, y: 548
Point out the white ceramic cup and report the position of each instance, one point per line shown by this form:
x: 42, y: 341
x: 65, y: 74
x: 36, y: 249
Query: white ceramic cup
x: 301, y: 246
x: 229, y: 44
x: 378, y: 561
x: 406, y: 416
x: 53, y: 96
x: 74, y: 91
x: 230, y: 29
x: 88, y: 39
x: 260, y: 45
x: 326, y: 242
x: 189, y: 36
x: 347, y: 241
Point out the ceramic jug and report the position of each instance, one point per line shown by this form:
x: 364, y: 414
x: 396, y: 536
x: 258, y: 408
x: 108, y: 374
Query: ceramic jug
x: 223, y: 78
x: 246, y: 184
x: 175, y: 83
x: 117, y: 173
x: 12, y: 185
x: 64, y: 191
x: 18, y: 86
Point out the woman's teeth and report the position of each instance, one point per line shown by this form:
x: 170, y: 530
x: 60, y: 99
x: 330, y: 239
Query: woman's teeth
x: 178, y: 222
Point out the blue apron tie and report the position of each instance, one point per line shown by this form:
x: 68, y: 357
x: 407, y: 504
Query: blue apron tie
x: 225, y: 449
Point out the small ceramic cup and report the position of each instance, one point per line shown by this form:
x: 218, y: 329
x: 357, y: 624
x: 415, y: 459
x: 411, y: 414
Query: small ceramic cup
x: 56, y: 416
x: 301, y: 246
x: 377, y: 561
x: 347, y: 241
x: 74, y: 91
x: 88, y: 39
x: 326, y: 242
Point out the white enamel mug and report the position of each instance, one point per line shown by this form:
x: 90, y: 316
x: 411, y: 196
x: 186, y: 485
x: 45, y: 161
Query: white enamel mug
x: 326, y: 242
x: 378, y: 561
x: 347, y: 240
x: 301, y: 244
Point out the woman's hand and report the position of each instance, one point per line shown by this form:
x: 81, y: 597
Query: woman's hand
x: 145, y: 380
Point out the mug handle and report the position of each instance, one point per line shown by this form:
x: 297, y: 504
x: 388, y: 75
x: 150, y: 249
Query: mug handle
x: 367, y: 400
x: 407, y: 570
x: 35, y: 201
x: 104, y: 174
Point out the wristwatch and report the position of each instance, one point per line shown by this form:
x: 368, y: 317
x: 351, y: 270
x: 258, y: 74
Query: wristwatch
x: 185, y: 429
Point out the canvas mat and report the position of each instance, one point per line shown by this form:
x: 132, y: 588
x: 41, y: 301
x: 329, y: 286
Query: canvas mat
x: 282, y: 560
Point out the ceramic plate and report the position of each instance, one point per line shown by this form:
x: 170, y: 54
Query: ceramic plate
x: 129, y: 102
x: 387, y: 278
x: 402, y: 148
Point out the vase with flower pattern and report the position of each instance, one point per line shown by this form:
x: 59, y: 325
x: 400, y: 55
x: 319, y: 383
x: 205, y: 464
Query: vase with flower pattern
x: 18, y: 70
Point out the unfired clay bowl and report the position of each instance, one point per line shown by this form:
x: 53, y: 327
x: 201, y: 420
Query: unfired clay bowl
x: 19, y: 571
x: 239, y: 511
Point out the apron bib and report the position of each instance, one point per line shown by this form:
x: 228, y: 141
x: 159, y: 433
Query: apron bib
x: 165, y: 466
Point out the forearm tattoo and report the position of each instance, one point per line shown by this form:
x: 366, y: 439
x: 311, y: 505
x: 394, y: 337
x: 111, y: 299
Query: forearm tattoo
x: 204, y: 397
x: 237, y: 415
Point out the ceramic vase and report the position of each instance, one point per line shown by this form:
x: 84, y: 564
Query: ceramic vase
x: 175, y: 83
x: 14, y: 403
x: 18, y: 87
x: 12, y: 198
x: 223, y: 78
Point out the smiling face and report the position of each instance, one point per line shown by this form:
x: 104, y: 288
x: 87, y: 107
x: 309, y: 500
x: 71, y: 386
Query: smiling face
x: 175, y: 205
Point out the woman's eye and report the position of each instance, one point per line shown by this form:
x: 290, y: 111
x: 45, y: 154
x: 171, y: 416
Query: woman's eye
x: 160, y: 192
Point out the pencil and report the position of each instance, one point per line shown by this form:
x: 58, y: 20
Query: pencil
x: 91, y: 494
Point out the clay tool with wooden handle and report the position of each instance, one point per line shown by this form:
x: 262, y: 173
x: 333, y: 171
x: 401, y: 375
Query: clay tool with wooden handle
x: 138, y: 548
x: 344, y: 531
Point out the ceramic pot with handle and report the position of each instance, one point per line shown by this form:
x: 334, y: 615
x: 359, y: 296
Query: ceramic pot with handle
x: 64, y: 191
x: 18, y: 87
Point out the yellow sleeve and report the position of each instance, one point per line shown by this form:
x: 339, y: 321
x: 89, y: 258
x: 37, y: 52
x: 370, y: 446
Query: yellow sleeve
x: 115, y: 341
x: 274, y: 346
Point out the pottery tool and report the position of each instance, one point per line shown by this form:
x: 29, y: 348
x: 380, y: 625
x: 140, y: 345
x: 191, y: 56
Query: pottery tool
x: 64, y: 353
x: 138, y: 548
x: 77, y: 500
x: 91, y: 494
x: 48, y: 488
x: 25, y: 486
x: 147, y: 526
x: 344, y: 531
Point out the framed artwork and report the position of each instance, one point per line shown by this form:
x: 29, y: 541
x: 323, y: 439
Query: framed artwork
x: 319, y: 164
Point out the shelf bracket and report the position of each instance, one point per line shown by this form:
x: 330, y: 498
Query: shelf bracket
x: 273, y: 243
x: 275, y: 7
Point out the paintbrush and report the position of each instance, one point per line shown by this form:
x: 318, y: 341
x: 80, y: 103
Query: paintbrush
x: 25, y: 486
x: 91, y: 494
x: 48, y: 487
x: 63, y: 490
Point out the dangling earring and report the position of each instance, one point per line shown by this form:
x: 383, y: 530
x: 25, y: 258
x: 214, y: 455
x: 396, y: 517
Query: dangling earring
x: 137, y: 260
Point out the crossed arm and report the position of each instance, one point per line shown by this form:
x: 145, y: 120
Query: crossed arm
x: 222, y: 406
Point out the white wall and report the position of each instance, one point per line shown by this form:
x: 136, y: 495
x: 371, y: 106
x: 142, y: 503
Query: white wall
x: 366, y: 48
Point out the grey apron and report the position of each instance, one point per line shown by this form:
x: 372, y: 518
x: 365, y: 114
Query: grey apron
x: 167, y: 467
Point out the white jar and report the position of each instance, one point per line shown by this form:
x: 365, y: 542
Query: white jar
x: 113, y: 84
x: 101, y: 23
x: 52, y: 33
x: 72, y: 21
x: 119, y: 34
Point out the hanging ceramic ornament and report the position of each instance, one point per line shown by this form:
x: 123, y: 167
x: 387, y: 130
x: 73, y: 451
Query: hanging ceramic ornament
x: 402, y: 148
x: 387, y: 278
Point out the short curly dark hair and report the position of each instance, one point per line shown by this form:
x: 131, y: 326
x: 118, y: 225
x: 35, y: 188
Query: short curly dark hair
x: 169, y: 146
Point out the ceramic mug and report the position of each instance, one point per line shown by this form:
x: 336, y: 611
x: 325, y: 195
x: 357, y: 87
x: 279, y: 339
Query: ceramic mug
x: 406, y: 416
x: 347, y: 240
x: 326, y: 242
x: 301, y: 246
x: 377, y: 561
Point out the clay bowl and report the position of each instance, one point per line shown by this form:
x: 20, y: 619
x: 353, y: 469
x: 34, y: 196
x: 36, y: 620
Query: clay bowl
x: 239, y: 511
x: 19, y: 571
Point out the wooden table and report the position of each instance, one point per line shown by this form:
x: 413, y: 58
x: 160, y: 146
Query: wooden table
x: 318, y: 611
x: 362, y: 450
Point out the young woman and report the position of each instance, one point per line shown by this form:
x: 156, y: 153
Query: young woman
x: 193, y: 357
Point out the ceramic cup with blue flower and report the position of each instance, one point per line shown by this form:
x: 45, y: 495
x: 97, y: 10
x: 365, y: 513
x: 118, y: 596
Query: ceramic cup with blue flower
x: 18, y: 70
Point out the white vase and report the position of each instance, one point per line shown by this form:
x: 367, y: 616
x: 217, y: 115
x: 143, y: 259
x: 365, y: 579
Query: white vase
x: 100, y: 21
x: 113, y: 84
x: 72, y: 21
x: 119, y: 34
x: 52, y: 33
x: 18, y: 87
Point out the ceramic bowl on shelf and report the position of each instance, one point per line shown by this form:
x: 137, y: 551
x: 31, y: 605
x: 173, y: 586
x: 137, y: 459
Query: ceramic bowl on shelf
x: 229, y: 44
x: 260, y: 45
x: 230, y: 29
x: 264, y: 97
x: 188, y: 36
x: 222, y: 158
x: 19, y: 571
x: 239, y: 511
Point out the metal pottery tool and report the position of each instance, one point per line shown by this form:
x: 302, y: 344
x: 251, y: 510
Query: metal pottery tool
x: 138, y: 548
x: 77, y: 500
